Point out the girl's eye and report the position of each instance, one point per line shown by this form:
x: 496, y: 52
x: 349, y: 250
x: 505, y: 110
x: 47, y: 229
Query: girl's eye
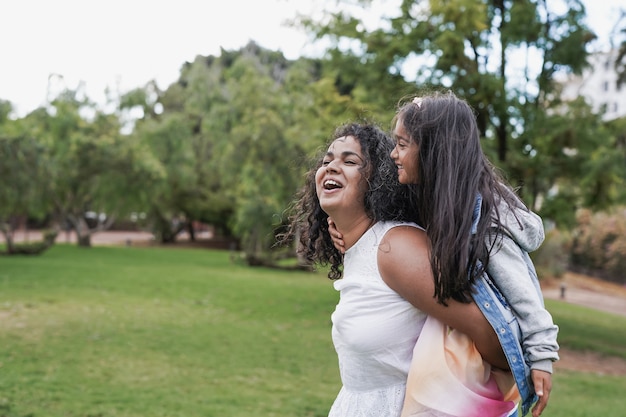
x: 325, y: 162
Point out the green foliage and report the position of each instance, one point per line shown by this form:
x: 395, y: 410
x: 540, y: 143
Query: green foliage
x: 465, y: 45
x: 617, y: 130
x: 570, y: 160
x: 258, y: 183
x: 502, y: 57
x: 232, y: 136
x: 23, y: 171
x: 169, y: 140
x: 5, y: 110
x: 85, y: 163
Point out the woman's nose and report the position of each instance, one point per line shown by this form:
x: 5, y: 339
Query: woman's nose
x: 331, y: 167
x: 393, y: 153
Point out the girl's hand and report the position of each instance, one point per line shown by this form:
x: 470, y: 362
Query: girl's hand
x: 543, y: 385
x: 336, y: 237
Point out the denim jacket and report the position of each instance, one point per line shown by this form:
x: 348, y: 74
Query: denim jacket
x: 499, y: 314
x: 501, y: 318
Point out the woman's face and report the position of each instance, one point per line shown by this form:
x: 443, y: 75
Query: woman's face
x: 405, y: 155
x: 339, y: 182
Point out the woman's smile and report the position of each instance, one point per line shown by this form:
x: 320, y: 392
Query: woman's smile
x: 339, y: 181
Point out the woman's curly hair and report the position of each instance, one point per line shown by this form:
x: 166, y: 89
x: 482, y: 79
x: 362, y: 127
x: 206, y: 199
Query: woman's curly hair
x: 385, y: 198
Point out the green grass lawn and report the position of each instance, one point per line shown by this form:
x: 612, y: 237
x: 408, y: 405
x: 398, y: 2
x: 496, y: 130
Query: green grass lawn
x: 577, y: 394
x: 116, y: 331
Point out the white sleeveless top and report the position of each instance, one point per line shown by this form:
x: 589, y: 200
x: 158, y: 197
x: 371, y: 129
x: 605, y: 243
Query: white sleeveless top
x: 374, y: 333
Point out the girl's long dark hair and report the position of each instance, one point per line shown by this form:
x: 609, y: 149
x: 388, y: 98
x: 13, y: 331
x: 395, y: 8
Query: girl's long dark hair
x: 452, y: 171
x: 385, y: 198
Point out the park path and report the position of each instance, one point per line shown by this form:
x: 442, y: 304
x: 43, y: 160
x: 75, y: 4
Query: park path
x: 108, y: 237
x: 593, y: 293
x: 588, y: 291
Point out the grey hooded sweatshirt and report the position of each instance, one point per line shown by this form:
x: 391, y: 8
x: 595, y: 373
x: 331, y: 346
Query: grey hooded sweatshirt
x: 509, y: 272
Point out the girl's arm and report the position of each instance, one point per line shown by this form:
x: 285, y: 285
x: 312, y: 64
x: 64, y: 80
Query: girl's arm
x: 336, y: 237
x: 404, y: 264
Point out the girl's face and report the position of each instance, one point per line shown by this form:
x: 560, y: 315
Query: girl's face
x: 405, y: 155
x: 339, y: 182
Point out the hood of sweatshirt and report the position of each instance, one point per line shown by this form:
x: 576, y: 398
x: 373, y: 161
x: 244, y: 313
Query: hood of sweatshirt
x: 523, y: 226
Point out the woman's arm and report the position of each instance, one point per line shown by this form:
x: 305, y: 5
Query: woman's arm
x: 404, y: 264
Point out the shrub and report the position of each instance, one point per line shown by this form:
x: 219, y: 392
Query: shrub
x: 552, y: 258
x: 599, y: 244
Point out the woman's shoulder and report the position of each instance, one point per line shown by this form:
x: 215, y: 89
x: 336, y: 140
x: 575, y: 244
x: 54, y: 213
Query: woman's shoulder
x: 404, y: 263
x: 390, y: 225
x: 403, y: 239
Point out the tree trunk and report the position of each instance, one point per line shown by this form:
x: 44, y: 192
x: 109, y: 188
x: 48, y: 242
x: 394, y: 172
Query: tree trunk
x: 83, y: 233
x: 501, y: 133
x: 8, y: 237
x: 84, y: 240
x: 503, y: 117
x: 163, y: 228
x: 191, y: 230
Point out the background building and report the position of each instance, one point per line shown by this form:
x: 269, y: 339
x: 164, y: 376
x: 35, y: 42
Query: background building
x: 598, y: 84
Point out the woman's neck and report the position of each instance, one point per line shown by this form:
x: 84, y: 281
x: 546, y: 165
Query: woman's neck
x: 353, y: 228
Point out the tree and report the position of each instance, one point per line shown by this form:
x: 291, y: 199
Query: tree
x: 233, y: 135
x: 502, y: 57
x: 499, y: 55
x: 576, y: 161
x: 92, y: 167
x: 178, y: 197
x: 258, y: 142
x: 183, y: 136
x: 25, y: 175
x: 280, y: 112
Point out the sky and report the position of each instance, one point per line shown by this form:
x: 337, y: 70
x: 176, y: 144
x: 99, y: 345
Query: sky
x: 124, y: 44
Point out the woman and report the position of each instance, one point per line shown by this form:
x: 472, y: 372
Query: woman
x: 387, y: 285
x: 466, y: 206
